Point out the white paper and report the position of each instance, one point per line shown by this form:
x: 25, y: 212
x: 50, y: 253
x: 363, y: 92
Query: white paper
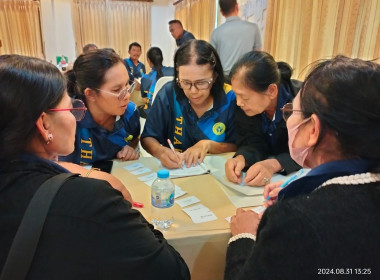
x: 149, y: 177
x: 199, y: 169
x: 200, y: 214
x: 178, y: 192
x: 141, y: 171
x: 258, y: 210
x: 187, y: 201
x: 133, y: 166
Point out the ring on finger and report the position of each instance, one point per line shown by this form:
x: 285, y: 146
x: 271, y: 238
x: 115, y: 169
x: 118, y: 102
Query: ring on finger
x: 265, y: 180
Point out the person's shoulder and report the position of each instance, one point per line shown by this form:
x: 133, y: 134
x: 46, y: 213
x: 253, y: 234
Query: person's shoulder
x: 168, y: 70
x: 81, y: 197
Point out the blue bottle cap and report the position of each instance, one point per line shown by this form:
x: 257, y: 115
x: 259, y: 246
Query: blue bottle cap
x: 163, y: 173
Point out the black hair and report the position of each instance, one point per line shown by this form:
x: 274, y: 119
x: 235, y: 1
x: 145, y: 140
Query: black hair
x: 110, y: 50
x: 154, y: 54
x: 28, y: 87
x: 89, y: 70
x: 176, y: 21
x: 227, y: 6
x: 345, y: 95
x: 134, y: 44
x: 87, y: 47
x: 259, y: 70
x: 202, y: 53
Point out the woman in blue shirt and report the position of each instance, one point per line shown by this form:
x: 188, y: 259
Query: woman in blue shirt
x: 262, y: 87
x: 148, y: 81
x: 196, y: 112
x: 111, y: 126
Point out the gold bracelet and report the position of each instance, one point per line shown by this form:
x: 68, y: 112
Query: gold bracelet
x: 89, y: 172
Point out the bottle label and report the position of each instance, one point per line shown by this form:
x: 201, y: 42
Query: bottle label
x: 162, y: 201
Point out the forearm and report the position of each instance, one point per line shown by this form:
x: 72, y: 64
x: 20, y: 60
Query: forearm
x: 152, y: 146
x: 273, y: 165
x: 287, y: 163
x: 217, y: 147
x: 135, y: 142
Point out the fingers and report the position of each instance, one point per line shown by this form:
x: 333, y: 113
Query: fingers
x: 257, y: 175
x: 171, y: 160
x: 233, y: 170
x: 127, y: 153
x: 244, y: 222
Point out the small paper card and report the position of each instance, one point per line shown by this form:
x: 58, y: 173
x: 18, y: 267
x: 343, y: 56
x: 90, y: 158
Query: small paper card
x: 258, y: 210
x: 187, y: 201
x: 200, y: 214
x: 148, y: 177
x: 141, y: 171
x: 133, y: 166
x: 178, y: 192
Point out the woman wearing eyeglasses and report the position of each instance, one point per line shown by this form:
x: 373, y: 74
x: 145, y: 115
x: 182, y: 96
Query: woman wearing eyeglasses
x: 195, y: 112
x: 262, y: 87
x: 90, y: 231
x: 111, y: 126
x: 326, y: 224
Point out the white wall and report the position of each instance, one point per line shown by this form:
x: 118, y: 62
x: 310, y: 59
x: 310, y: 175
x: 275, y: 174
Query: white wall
x: 161, y: 37
x: 58, y: 31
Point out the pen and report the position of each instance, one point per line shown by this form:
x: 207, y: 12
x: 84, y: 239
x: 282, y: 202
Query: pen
x: 287, y: 182
x: 172, y: 148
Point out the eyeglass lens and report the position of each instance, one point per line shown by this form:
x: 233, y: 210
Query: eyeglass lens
x: 78, y: 114
x: 124, y: 92
x: 287, y: 111
x: 199, y: 85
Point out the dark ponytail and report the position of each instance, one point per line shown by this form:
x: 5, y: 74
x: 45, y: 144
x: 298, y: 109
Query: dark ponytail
x: 154, y: 54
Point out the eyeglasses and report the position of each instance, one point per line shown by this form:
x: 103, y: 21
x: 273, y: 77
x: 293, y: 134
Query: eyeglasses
x: 287, y: 111
x: 122, y: 93
x: 199, y: 85
x: 78, y: 110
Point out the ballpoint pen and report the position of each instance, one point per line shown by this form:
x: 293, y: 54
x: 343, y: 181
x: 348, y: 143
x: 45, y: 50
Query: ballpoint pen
x: 299, y: 173
x: 172, y: 148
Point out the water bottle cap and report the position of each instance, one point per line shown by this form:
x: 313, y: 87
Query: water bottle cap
x: 163, y: 173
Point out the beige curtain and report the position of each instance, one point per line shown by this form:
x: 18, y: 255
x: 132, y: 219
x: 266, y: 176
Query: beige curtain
x: 20, y: 28
x: 113, y: 24
x: 197, y: 17
x: 303, y: 31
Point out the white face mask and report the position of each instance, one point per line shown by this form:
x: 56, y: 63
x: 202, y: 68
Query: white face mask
x: 298, y: 154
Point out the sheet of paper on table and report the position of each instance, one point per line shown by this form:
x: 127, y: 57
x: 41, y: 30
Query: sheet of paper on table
x: 199, y: 169
x: 240, y: 195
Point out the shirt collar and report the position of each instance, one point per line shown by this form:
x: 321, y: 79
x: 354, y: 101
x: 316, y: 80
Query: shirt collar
x: 33, y: 158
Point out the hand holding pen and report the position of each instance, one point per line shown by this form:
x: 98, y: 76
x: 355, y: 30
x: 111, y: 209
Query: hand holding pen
x: 271, y: 190
x: 173, y: 159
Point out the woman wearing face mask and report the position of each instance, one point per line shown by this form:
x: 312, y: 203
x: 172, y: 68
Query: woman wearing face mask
x: 262, y: 87
x: 196, y: 112
x: 316, y: 227
x: 111, y: 126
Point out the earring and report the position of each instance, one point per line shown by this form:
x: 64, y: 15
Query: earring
x: 50, y: 138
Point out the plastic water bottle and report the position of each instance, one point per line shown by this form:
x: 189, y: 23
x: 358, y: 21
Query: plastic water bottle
x: 162, y: 196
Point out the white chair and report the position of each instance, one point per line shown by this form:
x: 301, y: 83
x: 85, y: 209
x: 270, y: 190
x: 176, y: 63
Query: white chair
x: 160, y: 83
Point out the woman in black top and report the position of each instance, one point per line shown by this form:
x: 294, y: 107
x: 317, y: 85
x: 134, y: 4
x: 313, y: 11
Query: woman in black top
x: 262, y: 87
x: 90, y: 232
x: 326, y: 224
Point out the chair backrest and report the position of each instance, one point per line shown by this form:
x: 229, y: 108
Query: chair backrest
x: 160, y: 83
